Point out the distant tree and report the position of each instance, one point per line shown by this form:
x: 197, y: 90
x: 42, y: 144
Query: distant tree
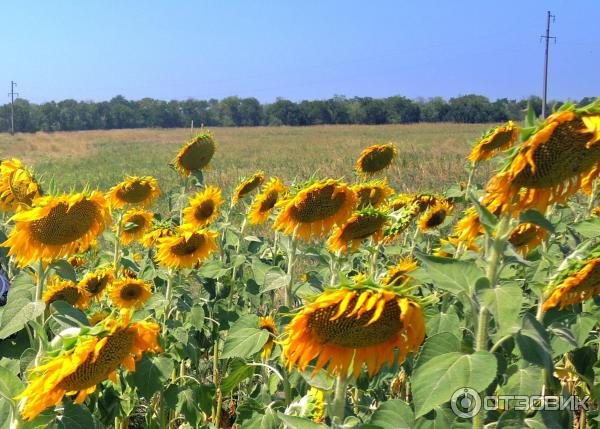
x: 435, y: 110
x: 251, y: 112
x: 401, y: 110
x: 470, y: 109
x: 284, y: 112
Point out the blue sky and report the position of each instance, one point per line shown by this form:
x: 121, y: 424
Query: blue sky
x: 309, y: 49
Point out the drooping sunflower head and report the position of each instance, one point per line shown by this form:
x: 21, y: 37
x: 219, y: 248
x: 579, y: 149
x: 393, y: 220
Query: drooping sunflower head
x: 403, y: 218
x: 448, y: 246
x: 57, y: 226
x: 526, y: 237
x: 595, y: 211
x: 435, y: 215
x: 557, y: 159
x: 362, y: 224
x: 248, y: 185
x: 204, y: 207
x: 18, y: 187
x: 159, y: 230
x: 495, y: 141
x: 575, y: 284
x: 196, y: 154
x: 372, y: 193
x: 375, y: 159
x: 315, y: 209
x: 401, y: 201
x: 97, y: 317
x: 68, y: 291
x: 95, y: 283
x: 93, y: 357
x: 265, y: 202
x: 399, y: 274
x: 134, y: 191
x: 187, y: 248
x: 268, y: 324
x: 344, y: 328
x: 130, y: 293
x: 135, y: 223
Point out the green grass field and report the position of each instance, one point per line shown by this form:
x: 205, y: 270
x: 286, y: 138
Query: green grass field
x: 431, y: 156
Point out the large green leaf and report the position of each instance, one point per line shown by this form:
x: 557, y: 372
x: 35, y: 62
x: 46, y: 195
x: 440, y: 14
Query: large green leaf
x: 523, y: 381
x: 10, y: 384
x: 444, y: 322
x: 438, y: 379
x: 239, y: 372
x: 151, y: 374
x: 451, y: 274
x: 293, y: 422
x: 393, y: 414
x: 534, y: 343
x: 187, y: 404
x: 74, y: 417
x: 244, y: 342
x: 505, y: 305
x: 17, y: 313
x: 436, y: 345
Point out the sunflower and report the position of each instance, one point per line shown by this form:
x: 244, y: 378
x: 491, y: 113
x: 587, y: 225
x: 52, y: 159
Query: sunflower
x: 362, y: 224
x: 204, y: 207
x: 134, y: 191
x: 135, y: 223
x: 401, y: 201
x: 315, y: 209
x: 265, y: 202
x: 68, y: 291
x: 526, y: 237
x: 403, y: 218
x: 372, y: 193
x: 435, y: 215
x: 344, y: 328
x: 57, y: 226
x: 449, y: 245
x: 76, y: 261
x: 577, y: 284
x: 187, y: 248
x: 559, y: 158
x: 158, y: 231
x: 496, y: 140
x: 375, y: 159
x: 468, y: 228
x: 18, y: 188
x: 268, y: 324
x: 90, y: 361
x: 398, y: 275
x: 129, y: 293
x: 97, y: 317
x: 596, y: 211
x: 95, y: 283
x: 196, y: 154
x: 248, y: 185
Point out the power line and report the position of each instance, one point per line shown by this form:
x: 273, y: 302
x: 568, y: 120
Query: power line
x: 547, y: 37
x: 12, y: 94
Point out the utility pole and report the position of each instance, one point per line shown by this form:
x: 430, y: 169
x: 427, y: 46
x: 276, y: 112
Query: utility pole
x: 12, y: 94
x: 547, y: 37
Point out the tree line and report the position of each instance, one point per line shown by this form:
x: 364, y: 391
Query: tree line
x: 70, y: 115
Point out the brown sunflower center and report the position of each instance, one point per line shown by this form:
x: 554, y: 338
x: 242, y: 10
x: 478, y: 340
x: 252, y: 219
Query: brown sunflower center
x: 521, y: 237
x: 95, y: 285
x: 269, y: 201
x: 351, y: 331
x: 64, y: 224
x: 188, y: 247
x: 362, y: 227
x: 560, y: 158
x: 130, y: 292
x: 138, y: 222
x: 69, y: 294
x: 204, y: 210
x: 134, y: 192
x: 197, y: 155
x: 377, y: 159
x: 110, y: 356
x: 436, y: 218
x: 397, y: 278
x: 318, y: 204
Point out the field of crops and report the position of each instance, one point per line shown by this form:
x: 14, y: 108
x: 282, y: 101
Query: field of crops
x: 414, y: 276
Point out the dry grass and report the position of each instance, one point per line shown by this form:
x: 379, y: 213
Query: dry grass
x: 431, y: 156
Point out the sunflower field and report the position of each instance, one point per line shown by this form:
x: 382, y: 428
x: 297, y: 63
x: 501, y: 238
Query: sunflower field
x: 333, y: 302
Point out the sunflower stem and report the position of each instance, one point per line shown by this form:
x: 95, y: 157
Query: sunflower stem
x: 289, y: 292
x: 117, y: 249
x: 470, y: 179
x: 339, y: 401
x: 216, y: 415
x: 39, y: 288
x: 492, y: 272
x: 590, y: 206
x: 274, y: 250
x: 373, y: 262
x: 168, y: 297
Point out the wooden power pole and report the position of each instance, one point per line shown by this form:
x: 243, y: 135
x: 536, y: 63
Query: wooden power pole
x: 547, y: 38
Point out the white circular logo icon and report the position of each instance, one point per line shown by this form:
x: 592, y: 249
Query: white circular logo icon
x: 465, y: 403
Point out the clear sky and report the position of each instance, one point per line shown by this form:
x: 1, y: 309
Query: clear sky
x: 305, y: 49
